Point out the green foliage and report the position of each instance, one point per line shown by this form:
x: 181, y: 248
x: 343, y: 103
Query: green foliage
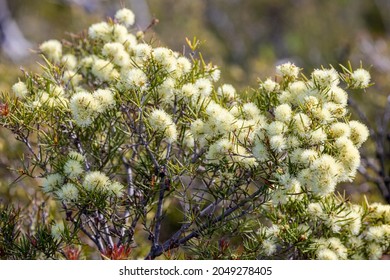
x: 15, y: 244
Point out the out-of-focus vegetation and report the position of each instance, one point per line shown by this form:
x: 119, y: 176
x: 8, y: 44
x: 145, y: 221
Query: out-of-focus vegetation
x: 246, y: 38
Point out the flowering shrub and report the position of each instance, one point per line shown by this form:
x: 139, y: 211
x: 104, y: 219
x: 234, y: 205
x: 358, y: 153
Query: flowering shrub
x: 122, y: 132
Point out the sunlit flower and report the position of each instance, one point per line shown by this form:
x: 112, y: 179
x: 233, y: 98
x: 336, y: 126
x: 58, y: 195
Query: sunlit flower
x: 69, y: 61
x: 325, y: 77
x: 104, y: 70
x: 227, y: 91
x: 288, y: 70
x: 20, y: 90
x: 360, y: 78
x: 52, y: 182
x: 105, y: 97
x: 135, y: 79
x: 159, y: 120
x: 326, y: 254
x: 359, y: 133
x: 125, y: 16
x: 73, y: 168
x: 270, y: 85
x: 96, y: 180
x: 204, y: 86
x: 283, y: 113
x: 101, y: 30
x: 52, y: 49
x: 269, y: 247
x: 84, y: 108
x: 68, y: 193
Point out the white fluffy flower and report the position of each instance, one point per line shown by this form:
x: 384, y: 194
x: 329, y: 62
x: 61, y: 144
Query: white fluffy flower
x: 227, y: 91
x: 73, y: 168
x: 348, y: 156
x: 76, y: 156
x: 204, y: 86
x: 135, y: 79
x: 130, y: 41
x: 119, y: 33
x: 83, y: 107
x: 219, y: 149
x: 141, y: 52
x: 251, y: 111
x: 279, y: 197
x: 52, y: 182
x: 375, y: 233
x: 381, y: 211
x: 324, y: 175
x: 338, y: 95
x: 270, y: 85
x: 315, y: 210
x: 325, y: 78
x: 339, y: 129
x: 333, y: 244
x: 317, y: 136
x: 260, y: 152
x: 166, y: 58
x: 283, y: 113
x: 215, y: 74
x: 167, y: 91
x: 375, y: 251
x: 293, y: 142
x: 295, y: 93
x: 337, y: 111
x: 355, y: 222
x: 116, y: 52
x: 69, y: 61
x: 288, y: 70
x: 86, y: 63
x: 72, y: 77
x: 188, y: 140
x: 359, y: 133
x: 322, y: 114
x: 101, y: 30
x: 116, y: 188
x: 307, y: 156
x: 220, y: 120
x: 183, y: 66
x: 326, y: 254
x: 189, y: 90
x: 269, y: 247
x: 276, y: 128
x: 160, y: 121
x: 104, y: 70
x: 277, y: 143
x: 68, y: 193
x: 96, y: 180
x: 197, y: 128
x: 125, y: 17
x: 20, y: 90
x: 310, y: 103
x: 360, y: 78
x: 105, y: 97
x: 52, y: 49
x: 302, y: 122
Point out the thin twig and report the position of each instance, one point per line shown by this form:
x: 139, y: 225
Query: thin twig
x: 174, y: 243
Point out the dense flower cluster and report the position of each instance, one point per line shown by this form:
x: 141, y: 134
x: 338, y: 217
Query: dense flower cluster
x: 113, y: 104
x: 334, y: 229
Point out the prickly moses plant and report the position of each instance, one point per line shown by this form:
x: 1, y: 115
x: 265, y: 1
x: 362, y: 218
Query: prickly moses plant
x: 147, y: 155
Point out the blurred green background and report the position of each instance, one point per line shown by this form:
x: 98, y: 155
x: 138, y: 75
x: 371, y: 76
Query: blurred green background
x: 245, y: 38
